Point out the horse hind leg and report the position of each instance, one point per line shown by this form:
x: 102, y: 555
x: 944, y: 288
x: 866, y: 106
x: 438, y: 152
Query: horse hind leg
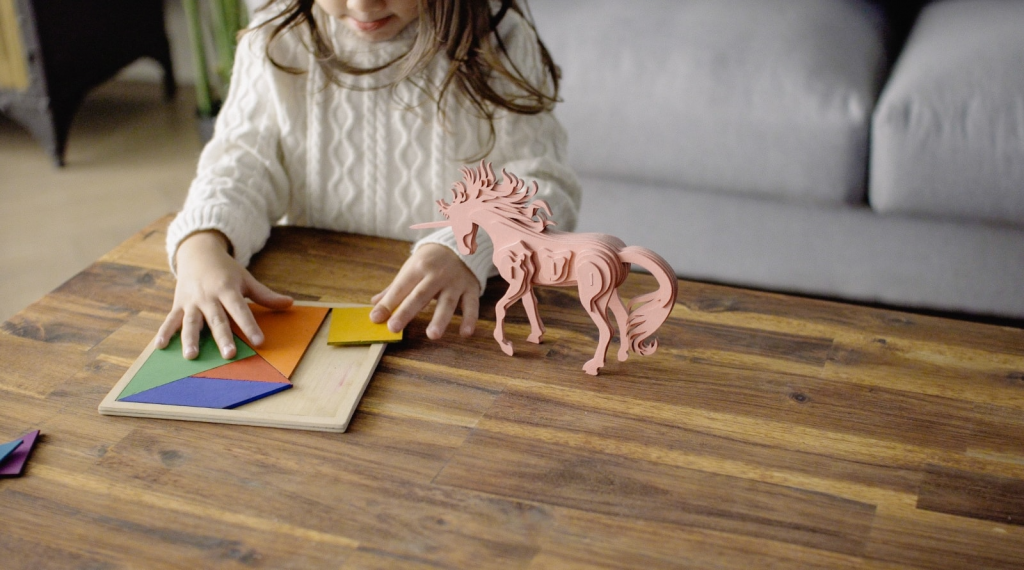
x: 621, y: 320
x: 599, y: 313
x: 595, y: 294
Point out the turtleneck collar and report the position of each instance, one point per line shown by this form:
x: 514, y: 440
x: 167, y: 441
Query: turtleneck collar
x: 359, y: 52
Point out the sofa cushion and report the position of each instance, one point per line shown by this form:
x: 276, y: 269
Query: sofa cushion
x: 948, y: 134
x: 766, y: 97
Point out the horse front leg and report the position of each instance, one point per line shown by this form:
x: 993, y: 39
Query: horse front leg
x: 515, y: 291
x: 514, y: 266
x: 536, y: 326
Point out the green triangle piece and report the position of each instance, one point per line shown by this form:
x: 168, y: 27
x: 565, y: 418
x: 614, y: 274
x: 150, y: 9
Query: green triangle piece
x: 167, y: 365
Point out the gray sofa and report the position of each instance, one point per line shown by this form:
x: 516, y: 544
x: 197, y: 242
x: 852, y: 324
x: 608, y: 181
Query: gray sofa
x: 802, y: 145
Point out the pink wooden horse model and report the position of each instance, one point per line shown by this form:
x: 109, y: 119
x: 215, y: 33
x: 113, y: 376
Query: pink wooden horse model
x: 528, y: 253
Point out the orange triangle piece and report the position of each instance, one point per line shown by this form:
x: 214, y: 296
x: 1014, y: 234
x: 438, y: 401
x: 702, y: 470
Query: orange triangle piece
x: 286, y: 334
x: 254, y: 368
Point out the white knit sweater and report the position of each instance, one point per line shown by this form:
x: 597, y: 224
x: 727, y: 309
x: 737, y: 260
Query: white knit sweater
x: 295, y: 149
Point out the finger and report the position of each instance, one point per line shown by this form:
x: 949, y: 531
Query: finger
x: 393, y: 296
x: 191, y: 325
x: 443, y: 313
x: 239, y: 311
x: 411, y: 306
x: 378, y: 296
x: 470, y: 314
x: 265, y: 296
x: 220, y: 328
x: 379, y: 313
x: 167, y: 329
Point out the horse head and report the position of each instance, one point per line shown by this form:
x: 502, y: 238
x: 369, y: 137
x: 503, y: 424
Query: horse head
x: 466, y: 200
x: 478, y: 192
x: 459, y: 215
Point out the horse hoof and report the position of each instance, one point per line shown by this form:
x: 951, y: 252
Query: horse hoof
x: 623, y: 354
x: 506, y: 347
x: 592, y: 367
x: 535, y: 338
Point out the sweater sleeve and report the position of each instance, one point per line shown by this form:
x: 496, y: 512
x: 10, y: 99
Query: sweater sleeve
x: 241, y: 187
x: 533, y: 147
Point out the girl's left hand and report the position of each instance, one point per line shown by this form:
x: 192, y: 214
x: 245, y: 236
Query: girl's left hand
x: 433, y: 271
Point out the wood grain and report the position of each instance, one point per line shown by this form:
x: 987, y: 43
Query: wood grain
x: 767, y: 431
x: 974, y: 495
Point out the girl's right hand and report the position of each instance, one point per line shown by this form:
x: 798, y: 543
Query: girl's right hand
x: 212, y: 288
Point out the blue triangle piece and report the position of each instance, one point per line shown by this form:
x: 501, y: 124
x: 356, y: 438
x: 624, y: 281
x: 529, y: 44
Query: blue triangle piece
x: 207, y: 393
x: 8, y: 448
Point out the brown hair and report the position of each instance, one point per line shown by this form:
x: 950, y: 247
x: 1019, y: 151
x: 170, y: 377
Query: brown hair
x: 466, y: 32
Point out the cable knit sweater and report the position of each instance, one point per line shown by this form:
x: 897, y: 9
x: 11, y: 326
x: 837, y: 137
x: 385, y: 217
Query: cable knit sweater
x: 296, y: 149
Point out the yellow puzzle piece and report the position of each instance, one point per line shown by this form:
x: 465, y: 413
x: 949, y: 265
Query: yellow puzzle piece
x: 352, y: 325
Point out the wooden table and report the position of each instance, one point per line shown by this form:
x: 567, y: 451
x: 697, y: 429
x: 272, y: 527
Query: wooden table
x: 767, y: 431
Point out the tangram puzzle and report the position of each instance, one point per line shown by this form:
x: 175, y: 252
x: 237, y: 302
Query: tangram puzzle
x: 211, y: 381
x: 14, y: 454
x: 315, y: 370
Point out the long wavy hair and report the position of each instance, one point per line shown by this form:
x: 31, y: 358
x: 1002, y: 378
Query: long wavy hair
x: 465, y: 31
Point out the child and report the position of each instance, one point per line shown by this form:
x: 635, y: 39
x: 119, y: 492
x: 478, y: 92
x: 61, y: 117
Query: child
x: 356, y: 116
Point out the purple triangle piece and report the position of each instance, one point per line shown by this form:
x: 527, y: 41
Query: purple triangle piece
x: 15, y: 463
x: 207, y: 393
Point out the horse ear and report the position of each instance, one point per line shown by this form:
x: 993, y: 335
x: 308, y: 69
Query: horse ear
x: 476, y: 179
x: 487, y: 173
x: 459, y: 193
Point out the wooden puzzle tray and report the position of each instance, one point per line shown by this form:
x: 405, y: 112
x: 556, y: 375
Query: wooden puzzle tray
x: 327, y: 384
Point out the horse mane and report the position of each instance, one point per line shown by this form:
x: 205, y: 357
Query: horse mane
x: 509, y: 197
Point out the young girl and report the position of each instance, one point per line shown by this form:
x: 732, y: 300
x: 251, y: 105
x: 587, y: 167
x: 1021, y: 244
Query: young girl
x: 355, y: 116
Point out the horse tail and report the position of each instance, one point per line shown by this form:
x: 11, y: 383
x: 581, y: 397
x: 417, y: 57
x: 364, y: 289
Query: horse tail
x: 652, y: 309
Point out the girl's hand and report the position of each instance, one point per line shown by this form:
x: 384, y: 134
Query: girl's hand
x: 212, y: 287
x: 434, y: 271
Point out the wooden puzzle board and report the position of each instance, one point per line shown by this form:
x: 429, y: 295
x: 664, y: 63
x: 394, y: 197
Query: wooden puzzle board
x: 327, y: 386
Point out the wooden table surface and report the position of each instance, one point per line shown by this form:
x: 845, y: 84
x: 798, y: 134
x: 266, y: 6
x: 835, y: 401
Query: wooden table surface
x: 767, y: 431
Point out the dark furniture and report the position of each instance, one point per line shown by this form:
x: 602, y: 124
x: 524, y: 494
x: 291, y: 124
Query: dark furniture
x: 70, y: 48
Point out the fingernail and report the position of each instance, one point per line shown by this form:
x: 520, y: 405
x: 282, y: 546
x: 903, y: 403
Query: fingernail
x: 377, y: 315
x: 393, y: 326
x: 257, y: 339
x: 191, y: 353
x: 226, y: 352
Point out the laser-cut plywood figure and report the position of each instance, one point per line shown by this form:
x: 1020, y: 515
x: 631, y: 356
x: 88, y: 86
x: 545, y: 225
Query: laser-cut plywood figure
x: 527, y: 252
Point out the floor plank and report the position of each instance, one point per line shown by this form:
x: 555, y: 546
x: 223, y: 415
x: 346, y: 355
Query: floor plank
x: 130, y: 158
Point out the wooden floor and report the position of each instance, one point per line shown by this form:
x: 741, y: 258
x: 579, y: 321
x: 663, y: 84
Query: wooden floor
x: 130, y: 158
